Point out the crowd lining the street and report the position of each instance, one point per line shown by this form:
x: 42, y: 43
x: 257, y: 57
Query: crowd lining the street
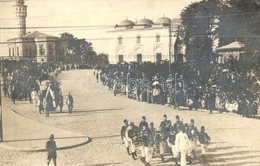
x: 34, y: 82
x: 220, y: 88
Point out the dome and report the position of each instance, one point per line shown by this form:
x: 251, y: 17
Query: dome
x: 126, y: 23
x: 163, y: 20
x: 145, y: 21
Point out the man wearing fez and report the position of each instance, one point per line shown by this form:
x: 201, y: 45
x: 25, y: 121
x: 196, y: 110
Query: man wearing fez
x: 51, y: 148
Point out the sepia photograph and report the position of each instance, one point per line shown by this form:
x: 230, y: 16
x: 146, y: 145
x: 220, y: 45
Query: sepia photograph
x: 130, y: 82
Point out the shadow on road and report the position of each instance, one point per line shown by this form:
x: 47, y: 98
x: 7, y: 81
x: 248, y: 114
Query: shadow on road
x: 232, y: 155
x: 102, y: 164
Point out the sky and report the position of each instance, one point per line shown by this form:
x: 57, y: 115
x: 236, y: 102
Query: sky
x: 103, y: 14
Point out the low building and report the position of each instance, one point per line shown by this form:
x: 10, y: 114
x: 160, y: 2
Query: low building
x: 37, y: 47
x: 34, y: 46
x: 234, y: 50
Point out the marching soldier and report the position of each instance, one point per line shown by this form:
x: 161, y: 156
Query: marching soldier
x: 204, y: 140
x: 164, y: 130
x: 123, y: 135
x: 193, y: 132
x: 143, y: 126
x: 172, y: 137
x: 131, y: 134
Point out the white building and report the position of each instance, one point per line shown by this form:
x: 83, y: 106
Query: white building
x: 142, y: 41
x: 35, y: 46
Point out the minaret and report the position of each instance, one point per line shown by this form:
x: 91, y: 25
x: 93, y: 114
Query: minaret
x: 21, y: 12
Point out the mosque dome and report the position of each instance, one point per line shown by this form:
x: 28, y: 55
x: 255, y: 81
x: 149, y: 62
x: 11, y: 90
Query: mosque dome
x: 163, y: 20
x: 145, y: 21
x: 126, y: 23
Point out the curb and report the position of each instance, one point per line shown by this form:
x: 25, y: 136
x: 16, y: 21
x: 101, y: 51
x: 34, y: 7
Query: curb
x: 88, y: 140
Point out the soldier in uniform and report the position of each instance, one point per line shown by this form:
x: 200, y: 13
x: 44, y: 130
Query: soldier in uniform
x: 143, y: 126
x: 51, y: 148
x: 164, y: 131
x: 131, y: 134
x: 204, y: 140
x: 143, y: 123
x: 172, y: 137
x: 193, y: 132
x: 123, y: 135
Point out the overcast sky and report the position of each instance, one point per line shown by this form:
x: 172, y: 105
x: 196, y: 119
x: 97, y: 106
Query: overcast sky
x: 85, y: 13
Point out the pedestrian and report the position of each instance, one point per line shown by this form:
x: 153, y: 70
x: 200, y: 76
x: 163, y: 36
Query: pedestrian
x: 34, y: 97
x: 70, y: 102
x: 41, y: 102
x: 182, y: 144
x: 60, y: 101
x: 204, y: 140
x: 51, y: 148
x: 123, y: 136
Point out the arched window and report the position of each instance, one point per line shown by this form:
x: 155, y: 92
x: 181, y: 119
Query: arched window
x: 138, y: 39
x: 120, y: 40
x: 30, y: 51
x: 50, y: 49
x: 158, y: 38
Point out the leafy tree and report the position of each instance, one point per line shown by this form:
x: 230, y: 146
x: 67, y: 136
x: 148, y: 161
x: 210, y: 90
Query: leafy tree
x: 80, y: 49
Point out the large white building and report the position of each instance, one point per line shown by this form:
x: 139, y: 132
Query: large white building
x: 143, y: 41
x: 34, y: 46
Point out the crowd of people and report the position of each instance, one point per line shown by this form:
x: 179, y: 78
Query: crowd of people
x: 214, y: 88
x: 179, y: 138
x: 24, y: 80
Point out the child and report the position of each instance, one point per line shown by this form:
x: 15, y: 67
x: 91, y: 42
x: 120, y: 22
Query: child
x: 204, y: 140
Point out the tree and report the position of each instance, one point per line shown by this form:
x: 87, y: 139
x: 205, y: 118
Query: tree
x: 199, y: 23
x: 79, y: 49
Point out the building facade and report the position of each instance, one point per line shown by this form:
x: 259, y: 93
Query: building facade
x: 142, y: 41
x: 35, y: 46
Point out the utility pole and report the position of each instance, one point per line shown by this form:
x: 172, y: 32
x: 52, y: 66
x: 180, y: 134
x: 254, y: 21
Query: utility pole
x: 170, y: 45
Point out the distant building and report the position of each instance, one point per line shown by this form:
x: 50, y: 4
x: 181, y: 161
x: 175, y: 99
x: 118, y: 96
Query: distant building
x: 143, y: 41
x: 234, y: 50
x: 35, y: 46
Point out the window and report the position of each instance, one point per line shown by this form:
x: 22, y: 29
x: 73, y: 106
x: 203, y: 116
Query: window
x: 17, y: 51
x: 50, y: 49
x: 120, y: 58
x: 26, y: 51
x: 13, y: 51
x: 30, y: 51
x: 158, y: 57
x: 120, y: 40
x: 138, y: 39
x: 157, y: 38
x: 10, y: 52
x: 41, y: 49
x: 139, y: 58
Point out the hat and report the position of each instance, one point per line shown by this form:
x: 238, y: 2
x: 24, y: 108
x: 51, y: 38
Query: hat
x: 51, y: 136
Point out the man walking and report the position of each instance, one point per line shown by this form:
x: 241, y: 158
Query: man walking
x: 51, y: 148
x: 70, y: 102
x: 123, y: 135
x: 182, y: 144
